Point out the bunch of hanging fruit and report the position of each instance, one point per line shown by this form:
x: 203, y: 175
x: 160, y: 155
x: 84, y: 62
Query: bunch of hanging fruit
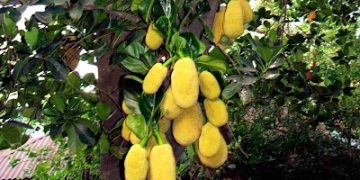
x: 152, y: 156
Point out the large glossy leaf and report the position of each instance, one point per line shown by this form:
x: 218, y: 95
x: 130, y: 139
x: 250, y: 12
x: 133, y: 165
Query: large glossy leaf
x: 134, y: 65
x: 145, y: 9
x: 103, y: 110
x: 104, y: 144
x: 137, y: 124
x: 135, y: 49
x: 33, y: 37
x: 85, y: 134
x: 74, y: 143
x: 58, y: 70
x: 231, y: 89
x: 11, y: 134
x: 212, y: 63
x: 59, y: 102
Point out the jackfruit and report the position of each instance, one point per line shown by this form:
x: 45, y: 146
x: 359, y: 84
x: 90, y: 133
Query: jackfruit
x: 164, y: 125
x: 210, y: 140
x: 216, y: 112
x: 125, y: 108
x: 153, y: 38
x: 162, y: 163
x: 185, y: 83
x: 154, y: 78
x: 234, y: 19
x: 218, y: 29
x: 248, y: 13
x: 169, y: 106
x: 218, y: 159
x: 209, y: 86
x: 136, y: 164
x: 152, y: 142
x: 186, y: 127
x: 134, y: 139
x: 125, y: 131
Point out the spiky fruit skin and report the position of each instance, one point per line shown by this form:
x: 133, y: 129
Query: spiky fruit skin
x: 134, y: 139
x: 218, y: 159
x: 125, y: 131
x: 209, y: 86
x: 162, y: 163
x: 218, y: 29
x: 172, y: 110
x: 164, y: 125
x: 210, y: 140
x: 248, y: 13
x: 154, y: 78
x: 125, y: 108
x: 152, y: 142
x: 136, y: 164
x: 186, y: 127
x: 216, y: 112
x: 153, y: 39
x: 234, y: 19
x: 185, y: 83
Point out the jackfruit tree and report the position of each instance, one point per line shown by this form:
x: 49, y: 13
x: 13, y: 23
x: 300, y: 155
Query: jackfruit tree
x: 183, y: 88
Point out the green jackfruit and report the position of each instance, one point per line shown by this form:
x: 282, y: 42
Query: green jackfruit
x: 162, y: 163
x: 209, y: 86
x: 154, y: 78
x: 210, y: 140
x: 153, y: 38
x: 216, y: 112
x: 185, y: 83
x: 169, y: 106
x: 136, y: 164
x: 234, y: 19
x: 186, y: 127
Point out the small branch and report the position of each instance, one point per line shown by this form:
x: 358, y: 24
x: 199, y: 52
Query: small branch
x: 122, y: 15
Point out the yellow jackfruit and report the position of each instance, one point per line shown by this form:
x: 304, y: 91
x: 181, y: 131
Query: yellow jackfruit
x: 216, y: 112
x: 169, y: 106
x: 125, y: 108
x: 154, y: 78
x: 125, y: 131
x: 136, y: 164
x: 209, y: 86
x: 134, y: 139
x: 218, y: 29
x: 153, y: 38
x: 152, y: 142
x: 162, y: 163
x: 234, y: 19
x: 248, y: 13
x: 210, y: 140
x: 185, y: 83
x: 164, y: 125
x: 218, y: 159
x: 186, y: 127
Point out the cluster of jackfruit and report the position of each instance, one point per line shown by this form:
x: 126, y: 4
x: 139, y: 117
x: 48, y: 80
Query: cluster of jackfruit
x: 230, y: 19
x: 183, y: 113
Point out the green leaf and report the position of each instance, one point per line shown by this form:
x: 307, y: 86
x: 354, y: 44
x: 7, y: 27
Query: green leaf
x: 74, y: 80
x: 231, y: 89
x: 135, y: 5
x: 74, y: 143
x: 135, y: 78
x: 145, y: 9
x: 212, y: 63
x: 11, y: 134
x: 194, y: 46
x: 103, y: 110
x: 9, y: 25
x: 18, y: 68
x: 32, y: 37
x: 76, y: 11
x: 104, y: 144
x: 59, y: 102
x: 58, y: 70
x: 137, y: 124
x: 60, y: 2
x: 134, y: 65
x: 85, y: 134
x: 135, y: 49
